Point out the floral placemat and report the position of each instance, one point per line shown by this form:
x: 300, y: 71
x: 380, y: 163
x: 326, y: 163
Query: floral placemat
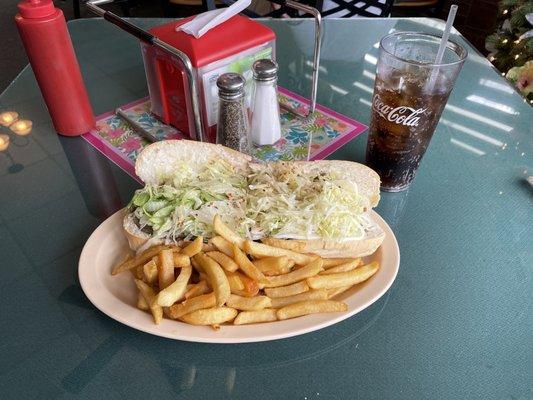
x: 328, y: 129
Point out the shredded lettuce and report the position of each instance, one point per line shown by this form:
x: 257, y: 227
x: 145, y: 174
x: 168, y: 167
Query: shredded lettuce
x: 292, y: 205
x: 267, y: 201
x: 184, y: 207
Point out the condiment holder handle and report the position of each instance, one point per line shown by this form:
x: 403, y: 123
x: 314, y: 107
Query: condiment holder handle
x: 200, y: 133
x: 316, y: 52
x: 145, y: 36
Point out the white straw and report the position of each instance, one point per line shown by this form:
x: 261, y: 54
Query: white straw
x: 443, y: 44
x: 446, y: 34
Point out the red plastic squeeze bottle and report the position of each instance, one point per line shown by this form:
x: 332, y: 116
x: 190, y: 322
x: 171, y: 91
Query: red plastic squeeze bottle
x: 43, y: 30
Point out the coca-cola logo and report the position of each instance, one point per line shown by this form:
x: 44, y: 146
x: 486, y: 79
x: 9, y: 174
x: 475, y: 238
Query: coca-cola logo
x: 402, y: 115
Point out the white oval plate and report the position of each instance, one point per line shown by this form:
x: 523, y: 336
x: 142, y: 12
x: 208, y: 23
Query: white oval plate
x: 116, y: 296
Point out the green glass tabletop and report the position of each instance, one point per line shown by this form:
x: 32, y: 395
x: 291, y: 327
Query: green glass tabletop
x: 456, y: 323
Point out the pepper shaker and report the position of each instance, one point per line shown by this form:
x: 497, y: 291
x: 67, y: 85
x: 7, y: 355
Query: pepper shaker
x: 266, y: 127
x: 232, y: 128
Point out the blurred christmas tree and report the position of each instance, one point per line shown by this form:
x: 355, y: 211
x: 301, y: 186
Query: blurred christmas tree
x: 511, y: 46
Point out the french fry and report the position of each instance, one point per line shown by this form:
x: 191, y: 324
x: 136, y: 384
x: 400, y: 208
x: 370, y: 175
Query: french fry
x: 251, y: 287
x: 174, y: 247
x: 235, y: 282
x: 181, y: 260
x: 203, y: 276
x: 248, y: 303
x: 166, y: 312
x: 333, y: 262
x: 140, y: 259
x: 349, y: 266
x: 222, y: 245
x: 336, y: 291
x: 223, y: 230
x: 349, y: 278
x: 126, y: 258
x: 310, y: 270
x: 278, y: 302
x: 196, y: 303
x: 297, y: 267
x: 225, y: 262
x: 196, y: 266
x: 210, y: 316
x: 246, y: 265
x: 150, y: 272
x: 274, y: 265
x: 262, y: 250
x: 206, y: 247
x: 197, y: 289
x: 310, y: 307
x: 254, y: 317
x: 166, y: 269
x: 141, y: 303
x: 175, y: 291
x: 216, y: 276
x: 138, y: 272
x: 150, y: 298
x: 290, y: 290
x: 294, y: 245
x: 194, y: 248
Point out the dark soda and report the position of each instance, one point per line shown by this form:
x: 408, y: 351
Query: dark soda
x: 405, y: 112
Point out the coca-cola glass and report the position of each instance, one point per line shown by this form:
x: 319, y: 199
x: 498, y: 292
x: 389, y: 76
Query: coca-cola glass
x: 410, y: 93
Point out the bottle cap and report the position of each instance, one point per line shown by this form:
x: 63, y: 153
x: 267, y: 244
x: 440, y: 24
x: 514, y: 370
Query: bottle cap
x: 36, y: 8
x: 265, y: 70
x: 231, y: 85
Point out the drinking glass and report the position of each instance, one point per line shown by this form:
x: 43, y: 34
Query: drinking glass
x: 410, y: 93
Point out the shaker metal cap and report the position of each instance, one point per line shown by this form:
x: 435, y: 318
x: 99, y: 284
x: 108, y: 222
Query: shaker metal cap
x: 265, y: 69
x: 231, y: 85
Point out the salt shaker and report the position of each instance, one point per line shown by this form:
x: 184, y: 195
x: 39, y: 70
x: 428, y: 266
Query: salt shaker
x: 266, y: 127
x: 232, y: 128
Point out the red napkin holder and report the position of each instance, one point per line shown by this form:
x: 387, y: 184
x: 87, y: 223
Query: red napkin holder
x: 229, y: 47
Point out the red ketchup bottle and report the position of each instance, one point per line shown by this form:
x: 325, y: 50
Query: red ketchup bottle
x: 43, y: 30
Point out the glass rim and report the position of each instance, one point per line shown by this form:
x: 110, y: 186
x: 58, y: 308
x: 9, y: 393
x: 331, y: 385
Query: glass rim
x: 452, y: 45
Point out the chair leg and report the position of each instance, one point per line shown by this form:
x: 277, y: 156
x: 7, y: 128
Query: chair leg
x: 165, y: 8
x: 438, y: 8
x: 125, y: 7
x: 208, y: 5
x: 76, y: 7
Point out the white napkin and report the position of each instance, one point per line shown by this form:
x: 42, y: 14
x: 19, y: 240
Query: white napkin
x: 202, y: 23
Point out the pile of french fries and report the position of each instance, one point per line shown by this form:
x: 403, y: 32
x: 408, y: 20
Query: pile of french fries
x: 230, y: 279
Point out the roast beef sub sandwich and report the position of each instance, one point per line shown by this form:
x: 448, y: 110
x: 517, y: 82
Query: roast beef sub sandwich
x: 322, y: 206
